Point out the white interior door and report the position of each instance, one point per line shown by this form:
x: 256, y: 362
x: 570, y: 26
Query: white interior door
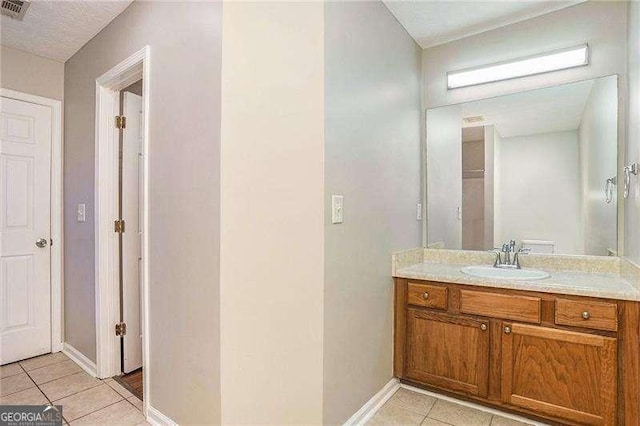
x: 444, y: 177
x: 132, y: 237
x: 25, y: 211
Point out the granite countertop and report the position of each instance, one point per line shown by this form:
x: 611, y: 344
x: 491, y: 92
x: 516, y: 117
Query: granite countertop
x: 579, y: 283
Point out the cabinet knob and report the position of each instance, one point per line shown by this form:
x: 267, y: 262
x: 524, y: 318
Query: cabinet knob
x: 586, y: 315
x: 507, y: 330
x: 425, y: 295
x: 483, y: 327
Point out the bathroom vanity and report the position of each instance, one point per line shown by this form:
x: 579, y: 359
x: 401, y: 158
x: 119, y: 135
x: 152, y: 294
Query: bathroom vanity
x: 564, y: 349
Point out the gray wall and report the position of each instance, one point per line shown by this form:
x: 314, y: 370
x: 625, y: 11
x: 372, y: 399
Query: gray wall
x: 184, y: 167
x: 632, y: 212
x: 31, y: 74
x: 372, y: 157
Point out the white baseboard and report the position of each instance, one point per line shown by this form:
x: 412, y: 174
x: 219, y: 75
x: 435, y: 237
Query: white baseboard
x: 156, y: 418
x: 370, y: 407
x: 78, y: 357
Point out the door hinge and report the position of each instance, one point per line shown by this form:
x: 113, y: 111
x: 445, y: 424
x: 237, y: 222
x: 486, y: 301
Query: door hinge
x: 121, y: 122
x: 121, y: 329
x: 118, y: 226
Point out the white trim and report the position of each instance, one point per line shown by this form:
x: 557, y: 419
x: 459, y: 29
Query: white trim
x: 108, y: 86
x: 370, y: 407
x: 472, y: 405
x: 57, y: 216
x: 156, y: 418
x: 78, y: 357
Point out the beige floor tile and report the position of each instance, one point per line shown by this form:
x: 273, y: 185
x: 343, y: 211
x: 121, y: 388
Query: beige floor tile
x: 10, y: 370
x: 120, y: 389
x: 433, y: 422
x: 15, y: 384
x: 122, y: 413
x: 412, y: 401
x: 459, y: 415
x: 31, y: 396
x: 54, y: 371
x: 391, y: 414
x: 503, y: 421
x: 42, y: 360
x: 136, y: 402
x: 69, y: 385
x: 87, y: 401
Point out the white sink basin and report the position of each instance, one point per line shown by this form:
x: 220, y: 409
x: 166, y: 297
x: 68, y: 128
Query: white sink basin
x: 507, y: 274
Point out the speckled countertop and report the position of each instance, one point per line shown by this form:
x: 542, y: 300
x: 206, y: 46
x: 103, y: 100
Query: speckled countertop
x: 617, y: 280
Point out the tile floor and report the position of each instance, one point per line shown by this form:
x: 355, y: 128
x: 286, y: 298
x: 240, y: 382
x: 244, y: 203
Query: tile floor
x: 406, y: 407
x: 85, y: 400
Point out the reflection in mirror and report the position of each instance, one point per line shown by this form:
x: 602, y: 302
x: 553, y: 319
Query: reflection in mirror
x: 539, y: 167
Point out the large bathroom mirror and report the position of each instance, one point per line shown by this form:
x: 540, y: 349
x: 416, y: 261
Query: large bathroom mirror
x: 539, y: 167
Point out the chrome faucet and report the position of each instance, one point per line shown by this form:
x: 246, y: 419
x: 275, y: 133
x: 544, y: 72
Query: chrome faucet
x: 503, y: 256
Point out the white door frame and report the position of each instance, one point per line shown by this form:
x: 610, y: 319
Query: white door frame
x: 57, y: 216
x: 108, y: 87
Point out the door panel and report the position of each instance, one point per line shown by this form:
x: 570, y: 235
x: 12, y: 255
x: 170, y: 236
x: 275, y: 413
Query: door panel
x: 447, y: 351
x: 560, y: 373
x: 132, y: 237
x: 25, y: 287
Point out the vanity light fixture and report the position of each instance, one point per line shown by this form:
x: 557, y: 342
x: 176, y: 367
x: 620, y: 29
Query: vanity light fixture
x: 556, y: 60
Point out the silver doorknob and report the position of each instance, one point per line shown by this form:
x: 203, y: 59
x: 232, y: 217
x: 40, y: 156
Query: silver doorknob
x: 483, y: 327
x: 41, y: 242
x: 586, y: 315
x: 507, y: 330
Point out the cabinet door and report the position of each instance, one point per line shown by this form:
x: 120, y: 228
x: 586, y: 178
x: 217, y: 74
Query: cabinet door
x: 564, y: 374
x: 449, y: 352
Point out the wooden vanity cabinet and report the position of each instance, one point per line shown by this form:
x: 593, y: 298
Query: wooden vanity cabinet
x: 448, y: 351
x: 561, y: 373
x: 527, y: 352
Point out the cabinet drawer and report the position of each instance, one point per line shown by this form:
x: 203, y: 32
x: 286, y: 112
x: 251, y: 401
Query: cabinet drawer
x: 588, y: 314
x: 495, y: 305
x: 429, y: 296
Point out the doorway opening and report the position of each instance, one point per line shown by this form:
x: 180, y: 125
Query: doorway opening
x: 130, y: 191
x: 122, y: 123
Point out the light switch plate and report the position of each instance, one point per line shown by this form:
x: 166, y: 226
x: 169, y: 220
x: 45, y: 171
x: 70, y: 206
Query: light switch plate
x: 419, y: 211
x: 337, y: 209
x: 81, y: 215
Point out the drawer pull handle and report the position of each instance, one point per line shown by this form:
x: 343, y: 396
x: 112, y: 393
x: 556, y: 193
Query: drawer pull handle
x: 425, y: 295
x: 586, y: 315
x: 507, y: 330
x: 483, y: 327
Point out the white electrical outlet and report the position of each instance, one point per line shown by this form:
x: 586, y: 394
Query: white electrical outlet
x: 419, y: 211
x: 337, y: 209
x: 81, y: 217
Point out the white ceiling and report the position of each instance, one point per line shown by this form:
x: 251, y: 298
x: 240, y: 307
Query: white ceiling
x: 58, y: 29
x: 433, y: 22
x: 554, y: 109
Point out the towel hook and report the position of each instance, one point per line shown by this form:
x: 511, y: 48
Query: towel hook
x: 631, y: 169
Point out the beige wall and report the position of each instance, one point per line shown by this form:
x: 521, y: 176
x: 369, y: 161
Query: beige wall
x: 272, y: 213
x: 184, y: 167
x: 600, y: 23
x: 632, y: 216
x: 31, y: 74
x: 372, y: 157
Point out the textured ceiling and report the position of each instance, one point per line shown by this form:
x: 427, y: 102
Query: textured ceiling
x: 433, y: 22
x: 58, y: 29
x: 553, y: 109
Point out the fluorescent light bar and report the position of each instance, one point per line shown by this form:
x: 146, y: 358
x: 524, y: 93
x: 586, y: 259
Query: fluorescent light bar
x: 547, y: 62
